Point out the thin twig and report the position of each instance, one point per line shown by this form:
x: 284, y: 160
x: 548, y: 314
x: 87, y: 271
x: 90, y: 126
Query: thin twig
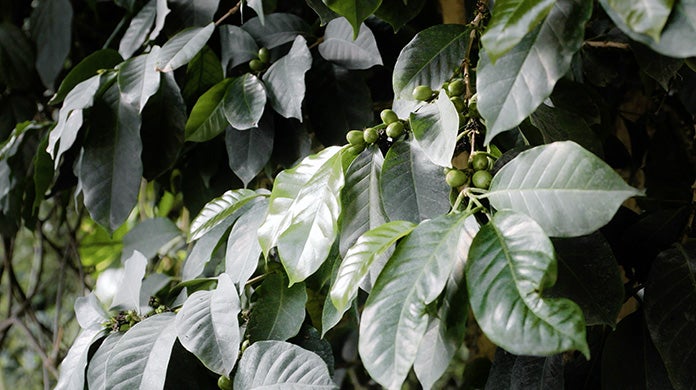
x: 608, y: 44
x: 47, y: 362
x: 316, y: 43
x: 229, y: 13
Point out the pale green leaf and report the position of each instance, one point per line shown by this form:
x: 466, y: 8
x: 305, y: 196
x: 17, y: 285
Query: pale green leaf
x: 128, y: 288
x: 285, y: 80
x: 435, y: 128
x: 138, y: 30
x: 182, y: 47
x: 149, y: 236
x: 257, y: 6
x: 243, y: 249
x: 72, y: 368
x: 279, y: 28
x: 218, y: 209
x: 138, y: 79
x: 51, y: 25
x: 89, y: 313
x: 244, y: 102
x: 96, y: 371
x: 350, y: 52
x: 643, y: 16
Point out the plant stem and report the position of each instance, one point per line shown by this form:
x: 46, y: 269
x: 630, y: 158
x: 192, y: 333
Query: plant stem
x: 229, y: 13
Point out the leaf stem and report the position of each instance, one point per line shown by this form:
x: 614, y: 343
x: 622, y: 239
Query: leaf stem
x: 229, y: 13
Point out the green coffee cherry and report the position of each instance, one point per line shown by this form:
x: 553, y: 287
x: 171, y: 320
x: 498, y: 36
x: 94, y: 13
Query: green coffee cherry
x: 224, y: 383
x: 479, y: 162
x: 456, y: 87
x: 355, y: 149
x: 388, y: 116
x: 458, y: 103
x: 370, y: 135
x: 422, y: 92
x: 264, y: 55
x: 456, y: 178
x: 481, y: 179
x: 395, y: 129
x: 256, y: 65
x: 355, y: 137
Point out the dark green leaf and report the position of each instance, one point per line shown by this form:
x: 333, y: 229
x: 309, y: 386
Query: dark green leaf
x: 243, y: 249
x: 660, y: 68
x: 395, y: 318
x: 310, y: 339
x: 325, y: 13
x: 96, y: 371
x: 72, y: 368
x: 557, y: 124
x: 279, y: 310
x: 138, y: 79
x: 202, y: 73
x: 138, y: 30
x: 43, y: 173
x: 525, y: 372
x: 411, y: 186
x: 218, y: 209
x: 510, y: 21
x: 532, y: 68
x: 128, y: 291
x: 16, y: 58
x: 182, y: 47
x: 281, y: 365
x: 148, y: 237
x: 285, y: 80
x: 51, y: 25
x: 15, y: 109
x: 429, y: 59
x: 279, y: 28
x: 249, y: 150
x: 646, y: 17
x: 141, y: 356
x: 670, y: 301
x: 195, y: 13
x: 207, y: 118
x: 330, y: 315
x: 207, y: 326
x: 111, y: 168
x: 238, y: 46
x: 566, y: 189
x: 397, y: 13
x: 88, y: 67
x: 510, y: 264
x: 244, y: 102
x: 342, y: 48
x: 355, y: 11
x: 435, y: 128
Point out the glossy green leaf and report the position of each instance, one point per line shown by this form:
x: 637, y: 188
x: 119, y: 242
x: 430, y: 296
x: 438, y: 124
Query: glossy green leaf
x: 72, y: 367
x: 285, y: 80
x: 182, y: 47
x: 238, y: 46
x: 96, y: 371
x: 435, y: 128
x: 355, y: 11
x: 244, y: 102
x: 342, y: 48
x: 566, y: 189
x: 286, y: 188
x: 195, y: 13
x: 280, y: 28
x: 257, y: 6
x: 202, y: 73
x: 243, y: 249
x: 149, y: 236
x: 88, y: 67
x: 557, y: 124
x: 139, y: 29
x: 360, y: 257
x: 278, y: 311
x: 138, y: 79
x: 219, y: 209
x: 397, y: 12
x: 411, y: 186
x: 527, y: 372
x: 249, y: 150
x: 643, y: 17
x: 429, y: 59
x: 681, y: 25
x: 207, y: 118
x: 532, y: 67
x: 510, y: 264
x: 140, y: 358
x: 281, y: 365
x: 510, y: 21
x: 51, y: 25
x: 128, y: 293
x: 312, y: 220
x: 207, y: 326
x: 395, y: 318
x: 670, y: 301
x: 360, y: 202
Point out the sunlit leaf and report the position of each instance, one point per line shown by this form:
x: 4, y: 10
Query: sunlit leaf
x: 244, y: 102
x: 182, y: 47
x: 285, y: 80
x: 342, y: 48
x: 218, y: 210
x: 435, y: 128
x: 128, y: 293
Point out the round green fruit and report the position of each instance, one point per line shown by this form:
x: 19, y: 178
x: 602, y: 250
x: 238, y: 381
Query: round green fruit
x: 370, y: 135
x: 264, y: 55
x: 256, y: 65
x: 224, y: 383
x: 422, y: 92
x: 395, y: 129
x: 481, y: 179
x: 388, y: 116
x: 456, y: 87
x: 458, y: 103
x: 456, y: 178
x: 479, y: 162
x: 355, y: 137
x: 355, y: 149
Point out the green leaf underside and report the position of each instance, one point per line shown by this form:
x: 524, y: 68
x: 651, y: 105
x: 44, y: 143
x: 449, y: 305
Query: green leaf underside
x: 243, y: 249
x: 138, y: 79
x: 278, y: 29
x: 96, y: 371
x: 72, y: 367
x: 207, y: 118
x: 207, y: 326
x: 340, y: 47
x: 355, y: 11
x: 510, y: 264
x: 279, y: 310
x: 565, y: 188
x: 429, y: 59
x: 510, y: 21
x: 244, y: 102
x: 138, y: 30
x: 218, y: 210
x: 643, y: 17
x: 532, y: 68
x: 356, y: 264
x: 148, y: 237
x: 179, y: 50
x: 237, y: 46
x: 395, y: 319
x: 281, y: 365
x: 285, y: 80
x: 127, y: 295
x: 435, y: 128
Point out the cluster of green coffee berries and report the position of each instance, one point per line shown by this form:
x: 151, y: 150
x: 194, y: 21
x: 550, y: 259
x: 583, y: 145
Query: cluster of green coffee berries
x: 481, y: 178
x: 261, y: 62
x: 455, y: 90
x: 122, y: 321
x: 391, y: 126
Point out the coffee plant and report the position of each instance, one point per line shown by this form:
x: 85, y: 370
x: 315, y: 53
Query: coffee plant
x: 349, y: 194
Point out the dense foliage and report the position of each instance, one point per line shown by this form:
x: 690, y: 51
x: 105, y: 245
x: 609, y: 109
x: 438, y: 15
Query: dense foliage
x: 513, y: 208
